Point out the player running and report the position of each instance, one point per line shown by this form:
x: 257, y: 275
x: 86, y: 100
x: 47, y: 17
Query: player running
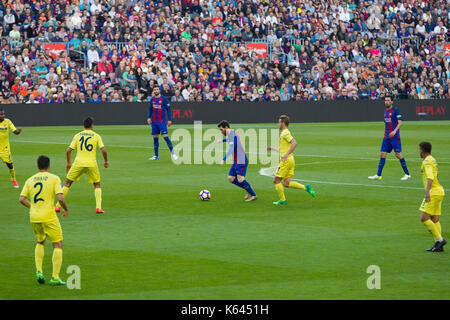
x: 238, y: 170
x: 159, y: 105
x: 393, y: 122
x: 434, y: 194
x: 286, y: 167
x: 41, y: 190
x: 5, y: 150
x: 86, y: 143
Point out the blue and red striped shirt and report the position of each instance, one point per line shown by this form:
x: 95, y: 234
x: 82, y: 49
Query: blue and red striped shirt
x: 236, y: 148
x: 391, y: 118
x: 156, y: 111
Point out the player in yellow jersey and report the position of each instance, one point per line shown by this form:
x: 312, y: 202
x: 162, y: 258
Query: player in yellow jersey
x: 86, y: 143
x: 286, y: 168
x: 41, y: 189
x: 434, y: 194
x: 5, y: 151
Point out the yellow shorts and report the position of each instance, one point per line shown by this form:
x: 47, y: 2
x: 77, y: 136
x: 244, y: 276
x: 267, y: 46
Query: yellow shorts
x: 433, y: 208
x: 286, y: 168
x: 51, y: 230
x: 6, y: 157
x: 76, y: 172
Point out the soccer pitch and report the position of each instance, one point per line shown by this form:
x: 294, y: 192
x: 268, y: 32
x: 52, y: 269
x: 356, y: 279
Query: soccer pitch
x: 157, y: 240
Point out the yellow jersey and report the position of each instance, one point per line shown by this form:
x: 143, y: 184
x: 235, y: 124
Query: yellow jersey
x: 285, y: 143
x: 86, y: 143
x: 41, y: 189
x: 430, y: 171
x: 5, y: 126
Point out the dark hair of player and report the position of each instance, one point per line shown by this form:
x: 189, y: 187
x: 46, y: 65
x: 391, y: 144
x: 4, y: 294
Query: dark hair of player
x: 425, y: 147
x: 43, y: 162
x: 284, y: 119
x: 88, y: 122
x: 223, y: 124
x: 389, y: 96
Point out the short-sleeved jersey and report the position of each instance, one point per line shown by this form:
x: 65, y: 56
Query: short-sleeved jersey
x: 391, y: 118
x: 236, y: 148
x: 158, y: 108
x: 86, y: 143
x: 430, y: 171
x: 5, y: 126
x: 285, y: 142
x: 41, y: 189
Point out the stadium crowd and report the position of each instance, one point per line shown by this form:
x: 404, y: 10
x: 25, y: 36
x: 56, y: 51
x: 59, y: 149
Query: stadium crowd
x: 195, y: 50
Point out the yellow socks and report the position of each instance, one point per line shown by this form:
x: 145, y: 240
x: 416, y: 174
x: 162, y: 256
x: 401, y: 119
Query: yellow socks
x: 296, y: 185
x: 432, y: 228
x: 39, y: 256
x: 65, y: 191
x: 280, y: 191
x: 57, y: 262
x: 98, y: 198
x: 438, y: 227
x: 12, y: 172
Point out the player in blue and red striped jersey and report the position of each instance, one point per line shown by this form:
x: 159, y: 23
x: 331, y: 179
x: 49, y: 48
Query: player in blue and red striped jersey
x: 238, y: 170
x: 159, y: 105
x: 391, y: 141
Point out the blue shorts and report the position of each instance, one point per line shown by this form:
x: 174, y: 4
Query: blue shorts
x: 238, y: 169
x: 159, y: 128
x: 389, y: 144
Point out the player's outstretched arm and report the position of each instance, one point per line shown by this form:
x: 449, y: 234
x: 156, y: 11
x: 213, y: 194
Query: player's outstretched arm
x: 24, y: 201
x: 68, y: 156
x: 63, y: 204
x: 272, y: 149
x: 105, y: 157
x: 18, y: 131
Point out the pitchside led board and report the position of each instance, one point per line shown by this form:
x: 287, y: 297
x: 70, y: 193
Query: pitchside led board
x: 236, y: 112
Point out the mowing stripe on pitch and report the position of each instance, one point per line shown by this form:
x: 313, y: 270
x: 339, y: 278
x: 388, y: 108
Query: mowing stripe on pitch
x: 264, y: 172
x: 197, y: 150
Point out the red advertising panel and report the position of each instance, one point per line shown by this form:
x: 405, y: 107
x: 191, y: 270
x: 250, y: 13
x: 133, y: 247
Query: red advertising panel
x: 259, y: 48
x: 55, y: 49
x: 447, y: 49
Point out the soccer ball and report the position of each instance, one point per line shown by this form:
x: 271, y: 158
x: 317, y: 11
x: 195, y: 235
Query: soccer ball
x: 205, y: 195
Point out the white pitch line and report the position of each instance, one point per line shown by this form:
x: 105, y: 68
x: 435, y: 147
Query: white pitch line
x: 264, y: 173
x: 199, y: 150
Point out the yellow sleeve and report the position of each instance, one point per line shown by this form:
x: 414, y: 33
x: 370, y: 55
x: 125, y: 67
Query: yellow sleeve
x: 288, y: 137
x: 11, y: 126
x: 100, y: 142
x: 25, y: 190
x: 73, y: 144
x: 57, y: 187
x: 428, y: 170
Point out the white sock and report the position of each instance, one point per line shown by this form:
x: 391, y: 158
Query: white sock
x: 440, y: 239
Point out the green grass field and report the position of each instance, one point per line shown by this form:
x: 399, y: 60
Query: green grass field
x: 157, y: 240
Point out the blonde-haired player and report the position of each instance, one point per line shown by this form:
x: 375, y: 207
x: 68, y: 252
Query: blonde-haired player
x: 86, y: 143
x: 434, y: 194
x: 5, y: 151
x: 41, y: 190
x: 286, y: 167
